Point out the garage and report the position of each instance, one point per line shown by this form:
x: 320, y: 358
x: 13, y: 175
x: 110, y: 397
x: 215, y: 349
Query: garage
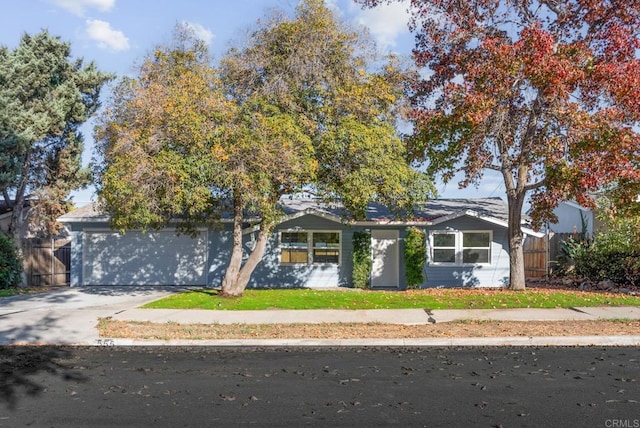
x: 136, y: 258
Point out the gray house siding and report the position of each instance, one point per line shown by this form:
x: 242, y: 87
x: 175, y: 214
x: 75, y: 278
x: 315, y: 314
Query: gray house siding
x: 176, y: 263
x: 494, y: 275
x: 105, y: 257
x: 75, y: 274
x: 76, y: 231
x: 271, y: 273
x: 219, y: 245
x: 570, y: 219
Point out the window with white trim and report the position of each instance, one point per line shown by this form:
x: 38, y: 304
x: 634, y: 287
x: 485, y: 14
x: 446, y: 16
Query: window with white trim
x: 476, y: 247
x: 294, y: 247
x: 443, y: 247
x: 461, y: 247
x: 306, y: 247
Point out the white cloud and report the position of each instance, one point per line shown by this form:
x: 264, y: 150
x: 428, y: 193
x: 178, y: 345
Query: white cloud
x: 106, y: 36
x: 333, y: 6
x: 386, y: 22
x: 78, y: 7
x: 200, y: 31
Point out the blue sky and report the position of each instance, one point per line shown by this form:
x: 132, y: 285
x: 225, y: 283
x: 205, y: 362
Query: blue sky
x: 116, y: 34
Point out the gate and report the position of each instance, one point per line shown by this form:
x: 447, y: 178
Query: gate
x: 48, y: 262
x: 541, y: 255
x: 536, y: 263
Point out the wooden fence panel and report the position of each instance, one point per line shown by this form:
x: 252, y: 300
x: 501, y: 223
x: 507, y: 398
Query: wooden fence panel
x: 541, y: 255
x: 535, y: 257
x: 47, y: 262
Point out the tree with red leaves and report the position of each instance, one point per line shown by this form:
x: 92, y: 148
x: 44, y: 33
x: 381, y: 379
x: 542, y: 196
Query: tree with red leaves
x: 547, y: 92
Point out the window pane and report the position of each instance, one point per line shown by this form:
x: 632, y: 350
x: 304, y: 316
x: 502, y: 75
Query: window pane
x: 326, y: 239
x: 476, y: 239
x: 326, y: 256
x: 294, y: 239
x: 293, y: 255
x: 444, y: 240
x: 475, y: 256
x: 444, y: 256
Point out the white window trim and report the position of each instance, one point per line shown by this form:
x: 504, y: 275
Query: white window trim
x: 310, y: 247
x: 459, y: 247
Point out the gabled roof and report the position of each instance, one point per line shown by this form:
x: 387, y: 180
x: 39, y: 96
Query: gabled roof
x: 437, y: 211
x: 85, y: 213
x: 433, y: 212
x: 428, y: 212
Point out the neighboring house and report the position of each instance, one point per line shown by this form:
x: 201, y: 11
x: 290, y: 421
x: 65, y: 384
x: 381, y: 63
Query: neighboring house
x: 573, y: 218
x: 311, y: 247
x: 5, y: 217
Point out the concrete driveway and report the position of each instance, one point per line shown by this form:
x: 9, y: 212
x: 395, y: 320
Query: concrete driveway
x: 68, y: 315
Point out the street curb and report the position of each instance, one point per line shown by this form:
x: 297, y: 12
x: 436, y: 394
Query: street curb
x: 423, y: 342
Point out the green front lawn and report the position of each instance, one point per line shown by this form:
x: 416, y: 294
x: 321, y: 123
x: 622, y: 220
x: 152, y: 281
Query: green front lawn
x: 357, y: 299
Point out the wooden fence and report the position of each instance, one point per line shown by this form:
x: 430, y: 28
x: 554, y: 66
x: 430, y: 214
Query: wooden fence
x: 541, y: 255
x: 536, y: 263
x: 47, y: 262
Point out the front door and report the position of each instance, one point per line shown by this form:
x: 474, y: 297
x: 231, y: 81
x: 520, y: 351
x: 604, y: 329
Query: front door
x: 384, y: 253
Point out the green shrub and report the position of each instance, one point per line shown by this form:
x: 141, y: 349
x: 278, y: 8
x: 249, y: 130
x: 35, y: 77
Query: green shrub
x: 415, y: 256
x: 10, y: 264
x: 612, y: 255
x: 362, y: 259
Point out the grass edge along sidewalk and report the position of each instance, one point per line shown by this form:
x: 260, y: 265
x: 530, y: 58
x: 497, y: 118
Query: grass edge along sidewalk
x: 449, y: 298
x: 117, y: 329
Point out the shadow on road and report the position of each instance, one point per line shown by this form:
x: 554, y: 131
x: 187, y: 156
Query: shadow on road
x: 52, y: 296
x: 21, y: 370
x: 71, y: 295
x: 27, y: 333
x: 130, y: 290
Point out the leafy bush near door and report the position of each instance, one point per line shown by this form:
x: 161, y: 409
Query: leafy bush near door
x: 362, y: 259
x: 10, y: 265
x: 415, y: 256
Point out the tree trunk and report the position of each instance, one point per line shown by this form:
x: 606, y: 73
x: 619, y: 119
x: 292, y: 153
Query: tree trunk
x: 237, y: 275
x: 16, y: 223
x: 231, y: 275
x: 516, y: 242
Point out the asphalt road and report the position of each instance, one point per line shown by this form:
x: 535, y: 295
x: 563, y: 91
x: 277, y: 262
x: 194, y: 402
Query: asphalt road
x: 173, y: 387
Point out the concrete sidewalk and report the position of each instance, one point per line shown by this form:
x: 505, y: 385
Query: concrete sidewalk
x: 390, y: 316
x: 387, y: 316
x: 69, y: 316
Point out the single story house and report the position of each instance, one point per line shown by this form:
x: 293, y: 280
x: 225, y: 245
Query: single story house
x: 467, y: 245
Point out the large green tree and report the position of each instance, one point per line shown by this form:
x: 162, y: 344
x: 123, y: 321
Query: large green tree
x: 545, y: 92
x: 298, y: 108
x: 44, y: 97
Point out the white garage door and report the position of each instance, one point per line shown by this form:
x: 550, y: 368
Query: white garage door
x: 135, y: 258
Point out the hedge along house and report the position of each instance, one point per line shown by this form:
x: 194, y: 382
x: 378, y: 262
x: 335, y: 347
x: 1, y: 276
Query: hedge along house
x: 312, y: 247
